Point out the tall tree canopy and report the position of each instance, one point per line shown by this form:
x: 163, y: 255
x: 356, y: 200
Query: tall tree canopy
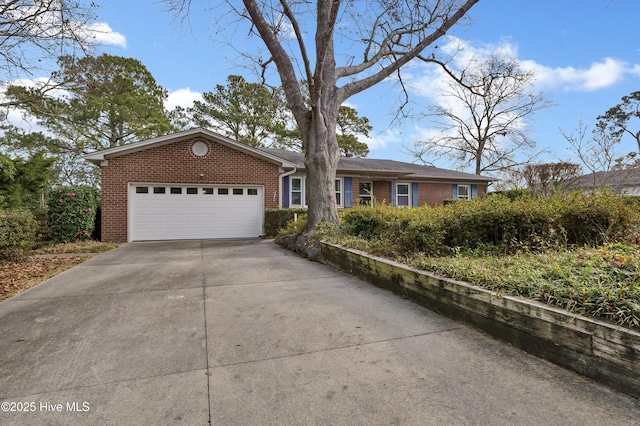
x: 622, y: 119
x: 350, y: 125
x: 250, y: 113
x: 481, y: 117
x: 100, y: 102
x: 256, y: 115
x: 304, y: 42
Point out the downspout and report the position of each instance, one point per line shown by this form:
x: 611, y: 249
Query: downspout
x: 280, y: 180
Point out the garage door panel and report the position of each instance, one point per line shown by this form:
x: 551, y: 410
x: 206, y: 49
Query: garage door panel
x: 192, y: 213
x: 143, y: 219
x: 159, y: 219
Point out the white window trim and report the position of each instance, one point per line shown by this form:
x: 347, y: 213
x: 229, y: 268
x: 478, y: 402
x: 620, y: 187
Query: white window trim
x: 303, y: 190
x: 302, y: 194
x: 408, y: 194
x: 468, y: 196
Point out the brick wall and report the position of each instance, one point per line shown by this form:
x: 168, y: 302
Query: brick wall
x: 382, y: 191
x: 434, y: 194
x: 175, y: 163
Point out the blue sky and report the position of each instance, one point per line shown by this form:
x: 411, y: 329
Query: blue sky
x: 586, y: 54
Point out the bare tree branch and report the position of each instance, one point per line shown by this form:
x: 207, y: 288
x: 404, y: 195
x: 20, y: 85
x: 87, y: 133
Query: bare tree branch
x: 480, y: 117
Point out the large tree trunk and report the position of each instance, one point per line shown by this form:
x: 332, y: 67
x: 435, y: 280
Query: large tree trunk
x: 321, y: 161
x: 322, y: 154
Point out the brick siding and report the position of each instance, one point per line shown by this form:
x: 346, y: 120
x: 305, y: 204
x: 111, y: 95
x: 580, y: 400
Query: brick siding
x: 175, y: 163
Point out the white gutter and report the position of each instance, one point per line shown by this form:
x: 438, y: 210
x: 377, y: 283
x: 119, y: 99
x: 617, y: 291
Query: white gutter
x: 280, y: 180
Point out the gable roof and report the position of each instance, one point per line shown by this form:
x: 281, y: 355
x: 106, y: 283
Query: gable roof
x: 370, y: 168
x: 99, y: 156
x: 378, y: 168
x: 615, y: 179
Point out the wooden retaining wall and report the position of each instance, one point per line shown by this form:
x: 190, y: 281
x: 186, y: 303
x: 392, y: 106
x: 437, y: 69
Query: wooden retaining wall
x: 601, y: 351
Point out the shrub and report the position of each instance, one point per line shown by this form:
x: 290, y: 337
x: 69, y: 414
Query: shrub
x: 598, y: 218
x: 277, y: 219
x: 71, y: 213
x: 495, y: 223
x: 17, y: 233
x: 512, y: 194
x: 499, y: 222
x: 371, y: 222
x: 294, y: 226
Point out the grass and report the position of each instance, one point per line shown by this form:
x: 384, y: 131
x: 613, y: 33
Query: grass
x: 599, y: 282
x: 602, y: 282
x: 44, y: 263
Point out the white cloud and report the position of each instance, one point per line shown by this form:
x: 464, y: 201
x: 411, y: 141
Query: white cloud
x: 430, y: 82
x: 599, y: 75
x: 182, y: 97
x: 382, y: 140
x: 102, y: 33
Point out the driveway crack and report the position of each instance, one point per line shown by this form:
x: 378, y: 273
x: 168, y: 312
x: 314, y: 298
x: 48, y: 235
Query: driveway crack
x: 336, y: 348
x: 206, y: 335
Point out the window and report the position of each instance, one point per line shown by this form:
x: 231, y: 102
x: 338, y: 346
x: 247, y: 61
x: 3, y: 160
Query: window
x: 208, y: 191
x: 142, y: 189
x: 252, y: 191
x: 464, y: 192
x: 223, y: 191
x: 296, y: 191
x: 176, y: 190
x: 365, y: 193
x: 159, y: 190
x: 403, y: 195
x: 192, y: 191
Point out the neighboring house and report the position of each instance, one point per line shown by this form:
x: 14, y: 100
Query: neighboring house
x: 623, y: 182
x: 198, y: 184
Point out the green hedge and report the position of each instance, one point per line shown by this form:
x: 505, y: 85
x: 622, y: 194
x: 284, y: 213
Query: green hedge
x: 497, y: 223
x: 17, y: 233
x: 277, y: 219
x: 71, y: 213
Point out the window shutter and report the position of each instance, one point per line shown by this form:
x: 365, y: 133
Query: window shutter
x: 474, y: 191
x: 414, y: 194
x: 455, y: 191
x: 392, y: 192
x: 348, y: 191
x: 285, y: 195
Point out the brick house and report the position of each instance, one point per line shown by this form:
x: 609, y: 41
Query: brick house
x: 198, y: 184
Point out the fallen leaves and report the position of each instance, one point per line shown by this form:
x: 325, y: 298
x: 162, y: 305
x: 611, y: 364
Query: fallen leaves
x: 44, y: 263
x: 15, y: 277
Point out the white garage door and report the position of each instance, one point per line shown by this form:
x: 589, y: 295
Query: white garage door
x: 175, y: 212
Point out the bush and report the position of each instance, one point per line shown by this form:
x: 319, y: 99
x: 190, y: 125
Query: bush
x: 512, y: 194
x: 71, y: 213
x: 496, y: 223
x: 17, y: 233
x: 598, y: 218
x: 277, y: 219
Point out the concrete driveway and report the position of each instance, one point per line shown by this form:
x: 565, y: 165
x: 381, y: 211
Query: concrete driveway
x: 246, y: 333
